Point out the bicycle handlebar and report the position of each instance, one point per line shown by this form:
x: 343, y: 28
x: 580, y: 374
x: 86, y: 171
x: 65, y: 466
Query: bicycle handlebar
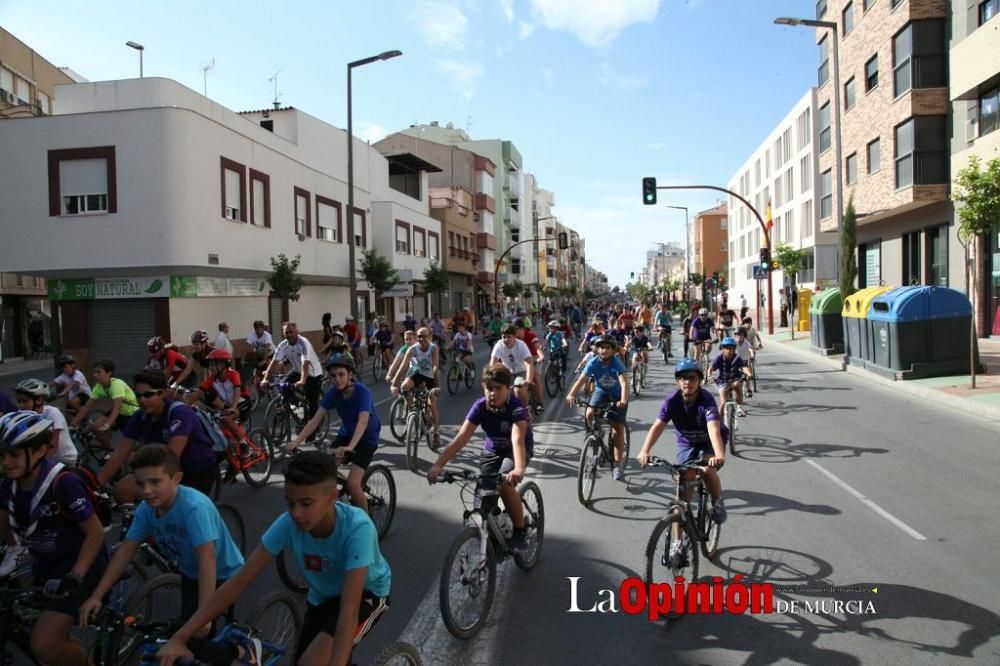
x: 655, y: 461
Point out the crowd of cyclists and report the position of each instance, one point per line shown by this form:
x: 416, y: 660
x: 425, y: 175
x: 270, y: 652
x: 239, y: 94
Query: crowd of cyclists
x: 164, y: 460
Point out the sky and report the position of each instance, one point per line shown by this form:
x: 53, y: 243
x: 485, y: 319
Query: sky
x: 595, y: 94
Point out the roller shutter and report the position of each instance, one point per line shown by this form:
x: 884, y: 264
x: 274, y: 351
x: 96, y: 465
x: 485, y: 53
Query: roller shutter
x: 119, y: 331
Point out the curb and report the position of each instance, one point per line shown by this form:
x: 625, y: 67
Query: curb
x: 982, y: 410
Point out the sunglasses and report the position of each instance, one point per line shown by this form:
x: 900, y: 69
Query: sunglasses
x: 148, y: 394
x: 688, y: 377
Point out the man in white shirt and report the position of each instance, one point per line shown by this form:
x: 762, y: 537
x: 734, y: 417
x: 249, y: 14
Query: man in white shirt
x: 260, y: 348
x: 222, y: 339
x: 517, y: 358
x: 303, y: 365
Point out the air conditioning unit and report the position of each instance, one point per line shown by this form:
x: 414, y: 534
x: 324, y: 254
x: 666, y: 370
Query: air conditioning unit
x: 10, y: 98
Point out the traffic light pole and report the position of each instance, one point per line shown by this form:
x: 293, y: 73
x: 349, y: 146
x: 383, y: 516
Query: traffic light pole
x: 496, y: 269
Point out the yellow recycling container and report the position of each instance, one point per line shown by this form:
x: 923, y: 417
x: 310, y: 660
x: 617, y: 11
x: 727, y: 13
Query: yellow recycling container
x: 855, y: 316
x: 805, y: 298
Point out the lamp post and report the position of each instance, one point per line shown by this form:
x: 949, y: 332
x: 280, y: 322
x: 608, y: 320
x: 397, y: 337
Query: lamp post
x: 837, y: 149
x: 353, y: 269
x: 687, y: 251
x: 140, y: 48
x: 496, y: 267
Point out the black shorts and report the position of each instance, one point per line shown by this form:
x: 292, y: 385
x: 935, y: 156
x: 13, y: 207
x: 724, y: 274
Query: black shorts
x: 422, y: 380
x: 324, y: 618
x: 121, y: 422
x: 201, y: 480
x: 362, y: 454
x: 71, y: 604
x: 82, y: 398
x: 491, y: 462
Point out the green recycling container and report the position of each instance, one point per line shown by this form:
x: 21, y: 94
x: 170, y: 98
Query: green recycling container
x: 826, y: 329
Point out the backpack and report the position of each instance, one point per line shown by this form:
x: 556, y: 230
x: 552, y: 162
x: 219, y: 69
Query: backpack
x: 99, y: 496
x: 215, y: 436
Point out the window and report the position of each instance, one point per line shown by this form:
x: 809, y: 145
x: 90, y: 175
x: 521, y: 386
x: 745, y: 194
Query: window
x: 756, y: 172
x: 360, y: 228
x: 805, y: 170
x: 825, y: 132
x: 515, y: 266
x: 826, y: 194
x: 921, y: 151
x: 767, y: 163
x: 788, y: 144
x: 724, y: 223
x: 419, y: 242
x: 988, y: 10
x: 848, y: 17
x: 870, y: 264
x: 911, y: 259
x: 874, y: 156
x: 451, y: 243
x: 851, y: 173
x: 328, y: 224
x: 849, y: 94
x: 515, y: 235
x: 871, y: 73
x: 989, y: 110
x: 260, y: 199
x: 722, y: 247
x: 789, y: 225
x: 22, y: 89
x: 43, y: 103
x: 803, y: 129
x: 82, y: 181
x: 402, y: 237
x: 433, y: 246
x: 778, y: 153
x: 6, y: 80
x: 303, y: 217
x: 778, y: 201
x: 820, y: 9
x: 824, y: 62
x: 866, y: 5
x: 918, y: 54
x: 806, y: 220
x: 790, y: 183
x: 895, y: 3
x: 937, y: 255
x: 234, y: 190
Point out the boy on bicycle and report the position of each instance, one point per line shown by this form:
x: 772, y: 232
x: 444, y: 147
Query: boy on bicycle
x: 701, y: 435
x: 702, y: 332
x: 382, y: 340
x: 52, y: 513
x: 663, y: 326
x: 335, y: 545
x: 610, y: 386
x: 461, y: 342
x: 640, y: 344
x: 360, y: 427
x: 556, y: 342
x: 731, y: 369
x: 123, y: 402
x: 189, y: 530
x: 507, y: 424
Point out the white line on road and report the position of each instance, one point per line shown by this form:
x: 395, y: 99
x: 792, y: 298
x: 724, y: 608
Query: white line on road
x: 874, y: 507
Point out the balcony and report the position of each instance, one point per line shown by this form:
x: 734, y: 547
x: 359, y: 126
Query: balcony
x: 485, y: 240
x: 485, y: 202
x: 484, y: 277
x: 482, y: 164
x: 514, y: 184
x: 512, y: 217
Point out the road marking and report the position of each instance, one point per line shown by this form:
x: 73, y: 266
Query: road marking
x: 874, y: 507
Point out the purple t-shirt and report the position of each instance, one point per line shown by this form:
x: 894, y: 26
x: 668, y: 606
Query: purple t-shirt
x: 6, y: 404
x: 691, y: 422
x: 499, y: 425
x: 198, y: 453
x: 728, y: 369
x: 57, y: 538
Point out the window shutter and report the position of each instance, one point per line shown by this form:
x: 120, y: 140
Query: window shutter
x: 83, y: 176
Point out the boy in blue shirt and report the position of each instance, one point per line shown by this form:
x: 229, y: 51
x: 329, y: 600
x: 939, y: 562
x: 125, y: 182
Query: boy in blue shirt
x: 556, y: 343
x: 187, y: 528
x: 335, y: 545
x: 610, y: 385
x: 731, y: 369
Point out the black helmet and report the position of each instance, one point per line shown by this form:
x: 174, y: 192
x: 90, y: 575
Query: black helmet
x: 340, y: 360
x: 64, y: 359
x: 199, y: 337
x: 607, y: 340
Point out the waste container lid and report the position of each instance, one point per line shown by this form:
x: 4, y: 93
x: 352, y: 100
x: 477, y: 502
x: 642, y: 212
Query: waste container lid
x: 856, y: 305
x: 827, y: 301
x: 919, y: 304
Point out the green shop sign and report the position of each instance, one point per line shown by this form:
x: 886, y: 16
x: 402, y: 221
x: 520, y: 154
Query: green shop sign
x: 198, y: 287
x: 86, y: 289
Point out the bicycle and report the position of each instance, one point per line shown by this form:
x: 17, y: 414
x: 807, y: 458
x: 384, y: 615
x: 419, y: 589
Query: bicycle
x: 470, y: 566
x: 378, y: 366
x: 638, y: 374
x: 285, y: 415
x: 704, y: 359
x: 397, y: 418
x: 663, y: 344
x: 753, y: 375
x: 398, y: 654
x: 418, y: 425
x: 380, y: 491
x: 90, y: 452
x: 20, y: 608
x: 555, y: 373
x: 459, y: 372
x: 681, y: 522
x: 598, y: 451
x: 728, y: 412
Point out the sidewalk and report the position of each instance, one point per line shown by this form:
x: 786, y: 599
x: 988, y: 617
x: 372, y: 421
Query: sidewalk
x: 954, y: 390
x: 19, y: 366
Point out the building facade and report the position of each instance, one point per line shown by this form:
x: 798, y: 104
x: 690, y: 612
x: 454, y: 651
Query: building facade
x: 710, y: 244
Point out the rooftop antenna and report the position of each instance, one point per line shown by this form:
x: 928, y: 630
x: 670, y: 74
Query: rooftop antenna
x: 274, y: 78
x: 468, y: 123
x: 205, y: 69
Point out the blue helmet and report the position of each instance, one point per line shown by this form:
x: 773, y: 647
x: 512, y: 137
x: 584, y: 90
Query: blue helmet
x: 24, y: 429
x: 728, y: 341
x: 688, y: 365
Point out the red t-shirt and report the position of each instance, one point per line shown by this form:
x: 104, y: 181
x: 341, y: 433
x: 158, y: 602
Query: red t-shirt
x: 351, y: 331
x: 170, y: 358
x: 226, y: 388
x: 531, y: 340
x: 628, y: 318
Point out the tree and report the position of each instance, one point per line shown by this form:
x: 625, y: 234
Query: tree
x: 697, y: 279
x: 527, y: 291
x: 978, y: 190
x: 436, y: 281
x: 637, y: 290
x: 378, y: 272
x: 285, y: 280
x: 848, y: 239
x: 791, y: 261
x: 512, y: 289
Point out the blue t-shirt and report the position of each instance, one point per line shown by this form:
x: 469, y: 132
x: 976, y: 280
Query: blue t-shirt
x: 728, y: 369
x: 198, y: 452
x: 499, y: 425
x: 690, y: 421
x: 555, y: 341
x: 640, y: 342
x: 192, y: 521
x: 662, y: 319
x: 349, y: 410
x: 606, y: 376
x: 324, y: 561
x: 619, y: 334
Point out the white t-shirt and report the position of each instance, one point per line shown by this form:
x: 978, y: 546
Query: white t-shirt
x: 262, y: 341
x: 222, y: 342
x: 295, y: 354
x: 463, y: 341
x: 79, y: 382
x: 66, y: 451
x: 743, y: 350
x: 512, y: 357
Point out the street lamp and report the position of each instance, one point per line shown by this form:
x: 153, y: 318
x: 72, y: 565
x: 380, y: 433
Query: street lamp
x: 352, y: 270
x: 496, y: 266
x: 687, y: 251
x: 140, y: 48
x: 837, y: 149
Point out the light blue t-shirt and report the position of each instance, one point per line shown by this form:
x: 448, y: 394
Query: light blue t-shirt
x: 192, y: 521
x: 353, y: 544
x: 555, y: 340
x: 606, y: 376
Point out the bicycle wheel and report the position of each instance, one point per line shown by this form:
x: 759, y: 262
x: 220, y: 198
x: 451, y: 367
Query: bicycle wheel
x: 158, y: 598
x: 552, y: 380
x: 470, y: 376
x: 290, y: 572
x: 454, y: 379
x: 753, y: 374
x: 635, y: 381
x: 256, y: 456
x: 468, y: 583
x: 413, y: 427
x: 665, y: 348
x: 377, y: 369
x: 534, y: 522
x: 711, y: 529
x: 323, y: 430
x: 234, y: 523
x: 380, y: 491
x: 660, y: 567
x: 398, y: 654
x: 397, y: 418
x: 587, y: 472
x: 277, y: 423
x: 623, y: 463
x: 731, y: 424
x: 644, y: 369
x: 277, y: 617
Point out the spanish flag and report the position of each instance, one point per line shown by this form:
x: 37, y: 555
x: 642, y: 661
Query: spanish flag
x: 769, y: 218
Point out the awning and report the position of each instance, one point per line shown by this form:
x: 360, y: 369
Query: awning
x: 403, y: 163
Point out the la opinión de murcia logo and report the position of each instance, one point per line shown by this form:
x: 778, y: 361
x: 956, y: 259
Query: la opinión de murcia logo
x: 736, y: 597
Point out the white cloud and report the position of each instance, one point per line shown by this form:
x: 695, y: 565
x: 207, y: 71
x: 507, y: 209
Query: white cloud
x: 614, y: 79
x: 442, y: 24
x: 524, y: 30
x: 372, y: 132
x: 594, y: 22
x: 464, y: 76
x: 507, y: 6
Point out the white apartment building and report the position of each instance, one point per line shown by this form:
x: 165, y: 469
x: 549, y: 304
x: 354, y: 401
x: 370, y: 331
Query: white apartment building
x: 783, y: 171
x: 153, y: 210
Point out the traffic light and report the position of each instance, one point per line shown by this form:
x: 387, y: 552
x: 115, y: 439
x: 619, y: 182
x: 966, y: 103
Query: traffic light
x: 632, y: 275
x: 563, y: 240
x: 765, y: 257
x: 649, y: 191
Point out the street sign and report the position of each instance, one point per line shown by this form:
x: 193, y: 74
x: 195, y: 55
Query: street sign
x: 759, y: 272
x: 401, y: 290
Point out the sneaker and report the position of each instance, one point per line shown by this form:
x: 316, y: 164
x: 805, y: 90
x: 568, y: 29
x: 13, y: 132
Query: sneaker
x: 719, y: 512
x: 740, y: 411
x: 250, y: 651
x: 519, y: 541
x: 11, y: 557
x: 616, y: 473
